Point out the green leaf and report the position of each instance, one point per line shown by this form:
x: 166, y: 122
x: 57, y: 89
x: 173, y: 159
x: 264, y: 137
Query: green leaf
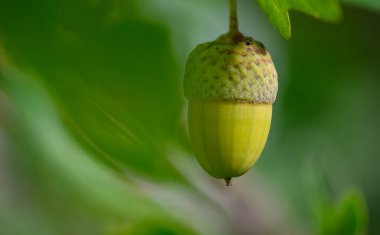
x: 112, y: 74
x: 349, y: 216
x: 60, y: 156
x: 278, y: 11
x: 65, y: 175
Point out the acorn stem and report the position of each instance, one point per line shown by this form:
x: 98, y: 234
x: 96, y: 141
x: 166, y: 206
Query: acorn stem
x: 234, y: 24
x: 228, y: 181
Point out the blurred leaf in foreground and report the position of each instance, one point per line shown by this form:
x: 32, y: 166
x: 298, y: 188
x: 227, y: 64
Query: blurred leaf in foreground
x: 111, y: 73
x: 67, y: 179
x: 61, y: 154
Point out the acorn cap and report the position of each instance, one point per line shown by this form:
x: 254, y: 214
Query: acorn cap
x: 231, y: 70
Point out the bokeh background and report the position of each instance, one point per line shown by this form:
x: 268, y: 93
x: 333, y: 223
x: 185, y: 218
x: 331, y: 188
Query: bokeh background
x: 93, y: 135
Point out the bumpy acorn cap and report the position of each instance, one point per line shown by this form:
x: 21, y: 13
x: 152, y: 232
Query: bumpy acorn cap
x: 231, y: 70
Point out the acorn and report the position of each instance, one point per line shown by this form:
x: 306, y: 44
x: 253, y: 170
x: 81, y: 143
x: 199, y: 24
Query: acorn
x: 230, y: 83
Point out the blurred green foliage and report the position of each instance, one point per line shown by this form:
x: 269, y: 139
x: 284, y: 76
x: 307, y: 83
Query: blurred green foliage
x: 346, y: 214
x: 83, y: 54
x: 95, y: 129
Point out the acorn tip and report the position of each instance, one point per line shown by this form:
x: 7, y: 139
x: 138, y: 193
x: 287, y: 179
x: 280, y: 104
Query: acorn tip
x: 228, y: 181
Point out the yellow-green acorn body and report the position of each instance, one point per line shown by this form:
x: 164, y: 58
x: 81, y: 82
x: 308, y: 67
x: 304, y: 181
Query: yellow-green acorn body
x: 231, y: 84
